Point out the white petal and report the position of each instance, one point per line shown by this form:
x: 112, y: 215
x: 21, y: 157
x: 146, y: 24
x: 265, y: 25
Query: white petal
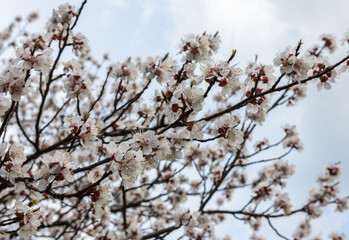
x: 111, y: 148
x: 327, y: 86
x: 42, y: 184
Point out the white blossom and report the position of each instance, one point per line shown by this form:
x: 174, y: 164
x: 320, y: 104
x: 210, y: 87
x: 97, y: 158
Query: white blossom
x: 126, y: 162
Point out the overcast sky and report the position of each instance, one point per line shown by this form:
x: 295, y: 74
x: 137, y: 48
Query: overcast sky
x: 144, y: 28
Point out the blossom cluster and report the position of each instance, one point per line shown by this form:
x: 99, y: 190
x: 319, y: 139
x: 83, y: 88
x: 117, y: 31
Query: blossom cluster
x: 141, y: 148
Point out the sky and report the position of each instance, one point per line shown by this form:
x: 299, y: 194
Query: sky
x: 125, y: 28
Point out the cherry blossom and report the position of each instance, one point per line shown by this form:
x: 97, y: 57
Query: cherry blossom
x: 29, y: 220
x: 199, y: 48
x: 60, y: 164
x: 80, y: 44
x: 126, y: 70
x: 329, y: 41
x: 157, y: 147
x: 126, y: 162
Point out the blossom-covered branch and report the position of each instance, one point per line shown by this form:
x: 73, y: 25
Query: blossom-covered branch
x: 150, y: 148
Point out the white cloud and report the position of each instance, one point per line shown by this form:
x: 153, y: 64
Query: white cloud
x: 116, y: 3
x: 148, y: 10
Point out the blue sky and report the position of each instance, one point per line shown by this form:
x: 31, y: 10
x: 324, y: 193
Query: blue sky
x: 151, y: 27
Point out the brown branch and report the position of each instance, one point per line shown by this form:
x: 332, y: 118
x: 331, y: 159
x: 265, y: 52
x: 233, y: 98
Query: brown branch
x: 124, y: 207
x: 90, y: 167
x: 77, y: 17
x: 53, y: 118
x: 43, y: 99
x: 7, y: 117
x: 160, y: 232
x: 101, y: 92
